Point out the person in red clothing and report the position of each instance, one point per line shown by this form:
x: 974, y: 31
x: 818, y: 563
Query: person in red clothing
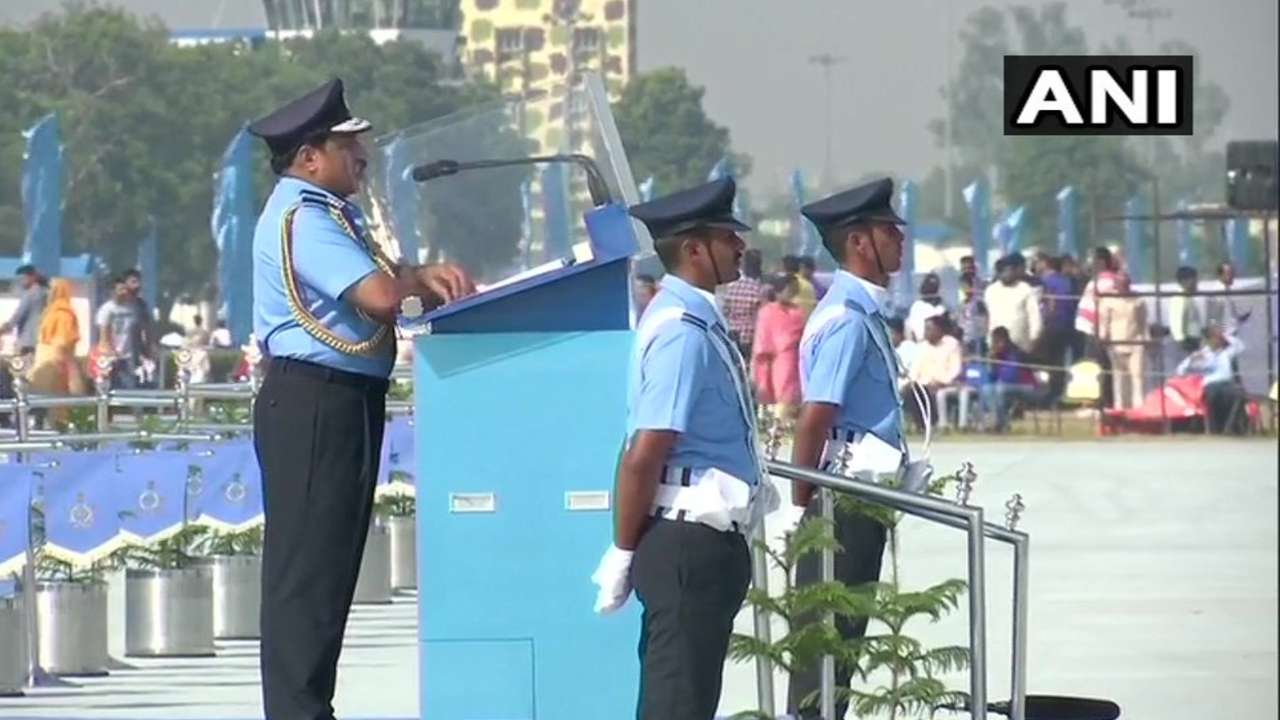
x: 1008, y: 379
x: 776, y: 352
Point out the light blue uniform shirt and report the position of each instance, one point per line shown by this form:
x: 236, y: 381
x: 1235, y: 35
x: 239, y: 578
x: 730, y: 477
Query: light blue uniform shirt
x: 679, y: 382
x: 326, y: 263
x: 846, y: 359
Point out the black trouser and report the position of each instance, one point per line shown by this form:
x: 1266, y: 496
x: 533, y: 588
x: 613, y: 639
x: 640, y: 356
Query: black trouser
x: 1053, y: 347
x: 863, y: 541
x: 692, y: 580
x: 1220, y: 401
x: 317, y: 433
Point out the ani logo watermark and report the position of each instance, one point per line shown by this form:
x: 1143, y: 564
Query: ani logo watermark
x: 1098, y: 94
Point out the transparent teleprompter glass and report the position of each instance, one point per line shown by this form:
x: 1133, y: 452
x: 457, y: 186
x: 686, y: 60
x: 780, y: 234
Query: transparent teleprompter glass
x: 505, y: 223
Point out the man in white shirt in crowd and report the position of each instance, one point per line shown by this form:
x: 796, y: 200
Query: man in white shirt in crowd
x: 937, y: 366
x: 928, y: 305
x: 1013, y: 304
x: 1186, y: 311
x: 1215, y: 363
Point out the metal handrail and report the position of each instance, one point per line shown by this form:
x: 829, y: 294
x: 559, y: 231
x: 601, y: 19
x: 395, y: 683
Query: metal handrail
x: 929, y: 508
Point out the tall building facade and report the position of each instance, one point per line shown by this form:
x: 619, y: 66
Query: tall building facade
x: 539, y: 50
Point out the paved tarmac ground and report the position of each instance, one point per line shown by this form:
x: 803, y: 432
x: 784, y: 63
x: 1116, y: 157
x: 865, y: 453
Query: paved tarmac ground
x: 1153, y: 583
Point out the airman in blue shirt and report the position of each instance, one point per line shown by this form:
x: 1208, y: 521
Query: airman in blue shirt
x: 689, y: 484
x: 848, y: 374
x: 325, y: 304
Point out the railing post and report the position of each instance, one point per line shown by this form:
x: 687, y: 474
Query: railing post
x: 827, y: 503
x: 102, y: 383
x: 1018, y: 681
x: 21, y: 409
x: 760, y: 579
x: 182, y: 359
x: 977, y: 597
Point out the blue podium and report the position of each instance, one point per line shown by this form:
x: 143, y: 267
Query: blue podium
x: 520, y: 405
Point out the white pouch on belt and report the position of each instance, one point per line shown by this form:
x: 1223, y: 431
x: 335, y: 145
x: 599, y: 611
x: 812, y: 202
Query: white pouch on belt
x: 714, y: 498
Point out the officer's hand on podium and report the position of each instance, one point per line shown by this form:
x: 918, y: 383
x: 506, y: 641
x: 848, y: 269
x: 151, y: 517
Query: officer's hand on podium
x: 445, y: 282
x: 613, y: 576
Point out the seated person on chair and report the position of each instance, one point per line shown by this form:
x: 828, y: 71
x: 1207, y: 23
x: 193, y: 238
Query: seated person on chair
x: 1222, y: 392
x: 1009, y: 379
x: 938, y: 363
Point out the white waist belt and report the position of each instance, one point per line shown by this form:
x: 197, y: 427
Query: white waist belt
x: 708, y: 496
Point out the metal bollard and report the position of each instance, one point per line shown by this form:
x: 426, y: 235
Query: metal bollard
x: 102, y: 384
x: 760, y: 579
x: 182, y: 358
x: 18, y: 366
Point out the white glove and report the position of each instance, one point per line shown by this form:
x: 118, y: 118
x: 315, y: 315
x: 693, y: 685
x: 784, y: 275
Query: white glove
x: 613, y: 575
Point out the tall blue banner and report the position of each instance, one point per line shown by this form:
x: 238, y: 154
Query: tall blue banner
x: 403, y: 194
x: 1135, y: 245
x: 526, y: 223
x: 398, y: 458
x: 1068, y: 241
x: 42, y: 196
x: 977, y: 201
x: 804, y: 238
x: 724, y: 168
x: 81, y: 506
x: 1015, y: 221
x: 148, y: 264
x: 646, y: 189
x: 1187, y: 254
x: 224, y: 485
x: 1239, y: 249
x: 232, y: 224
x: 15, y: 516
x: 555, y: 211
x: 904, y: 279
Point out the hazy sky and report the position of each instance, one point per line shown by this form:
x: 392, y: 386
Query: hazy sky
x: 752, y: 58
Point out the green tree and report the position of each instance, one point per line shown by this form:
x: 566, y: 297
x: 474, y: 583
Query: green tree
x: 145, y: 123
x: 668, y: 134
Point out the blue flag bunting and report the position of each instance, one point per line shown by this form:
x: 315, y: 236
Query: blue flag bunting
x: 977, y: 201
x: 403, y: 194
x: 398, y: 459
x: 555, y: 211
x: 15, y: 516
x: 804, y: 237
x: 42, y: 196
x: 224, y: 485
x: 80, y: 505
x: 1239, y: 248
x: 526, y: 223
x: 904, y: 280
x: 1068, y: 242
x: 1187, y: 254
x: 646, y: 189
x: 232, y: 223
x: 151, y: 494
x: 1135, y: 246
x: 148, y: 264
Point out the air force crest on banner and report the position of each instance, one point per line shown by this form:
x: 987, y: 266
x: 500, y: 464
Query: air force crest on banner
x: 195, y: 480
x: 235, y: 491
x: 149, y: 501
x: 81, y: 513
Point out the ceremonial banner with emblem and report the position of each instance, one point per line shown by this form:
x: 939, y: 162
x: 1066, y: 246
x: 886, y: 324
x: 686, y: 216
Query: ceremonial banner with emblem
x: 1135, y: 234
x: 904, y: 280
x: 150, y: 492
x: 1186, y: 245
x: 80, y: 505
x: 42, y: 196
x: 975, y: 198
x: 397, y: 460
x: 233, y: 221
x: 224, y: 486
x: 1068, y: 244
x: 15, y: 516
x: 804, y: 237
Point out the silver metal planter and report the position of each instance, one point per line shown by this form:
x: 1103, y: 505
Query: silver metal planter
x: 237, y: 595
x: 169, y: 613
x: 72, y: 619
x: 13, y: 646
x: 404, y: 552
x: 373, y: 586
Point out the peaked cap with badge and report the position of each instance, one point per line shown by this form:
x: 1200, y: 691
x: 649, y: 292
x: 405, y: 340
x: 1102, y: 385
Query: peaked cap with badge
x: 870, y: 202
x: 706, y: 206
x: 323, y: 110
